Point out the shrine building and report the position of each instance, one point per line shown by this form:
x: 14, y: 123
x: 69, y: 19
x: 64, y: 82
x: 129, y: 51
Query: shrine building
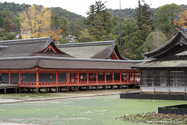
x: 166, y: 72
x: 35, y: 64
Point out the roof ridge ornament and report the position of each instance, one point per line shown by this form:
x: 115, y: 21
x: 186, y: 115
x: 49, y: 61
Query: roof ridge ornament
x: 181, y: 42
x: 182, y: 29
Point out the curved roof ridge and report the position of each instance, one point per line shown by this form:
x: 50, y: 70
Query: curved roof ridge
x: 32, y: 40
x: 155, y: 52
x: 64, y: 58
x: 96, y: 43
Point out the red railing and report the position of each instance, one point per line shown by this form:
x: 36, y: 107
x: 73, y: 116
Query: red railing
x: 62, y: 83
x: 71, y: 83
x: 83, y: 82
x: 116, y: 81
x: 47, y: 83
x: 109, y: 81
x: 92, y: 82
x: 28, y: 83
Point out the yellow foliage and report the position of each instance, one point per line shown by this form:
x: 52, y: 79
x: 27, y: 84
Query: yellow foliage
x: 54, y: 33
x: 35, y: 22
x: 183, y: 20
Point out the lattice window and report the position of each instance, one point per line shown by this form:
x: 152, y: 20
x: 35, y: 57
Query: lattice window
x: 147, y: 77
x: 160, y: 77
x: 176, y: 78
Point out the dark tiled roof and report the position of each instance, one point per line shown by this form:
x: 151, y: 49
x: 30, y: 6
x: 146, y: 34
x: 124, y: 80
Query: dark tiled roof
x: 167, y: 46
x: 90, y: 50
x: 63, y: 63
x: 27, y: 47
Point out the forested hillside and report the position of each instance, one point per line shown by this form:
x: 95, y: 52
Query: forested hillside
x: 142, y: 29
x: 128, y: 13
x: 14, y: 9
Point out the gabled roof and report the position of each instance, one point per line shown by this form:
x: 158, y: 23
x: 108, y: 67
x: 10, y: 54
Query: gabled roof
x: 91, y: 50
x: 175, y: 45
x: 28, y: 47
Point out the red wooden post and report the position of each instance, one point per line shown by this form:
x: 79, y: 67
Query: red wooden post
x: 105, y: 76
x: 67, y: 77
x: 9, y: 78
x: 112, y: 77
x: 56, y: 78
x: 96, y: 78
x: 134, y: 77
x: 19, y: 78
x: 37, y: 78
x: 120, y: 77
x: 87, y: 77
x: 78, y: 77
x: 128, y: 77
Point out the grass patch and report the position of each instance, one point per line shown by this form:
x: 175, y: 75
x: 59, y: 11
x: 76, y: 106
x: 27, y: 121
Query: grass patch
x: 102, y: 110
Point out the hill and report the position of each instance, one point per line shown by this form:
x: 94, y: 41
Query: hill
x: 15, y: 9
x: 128, y: 13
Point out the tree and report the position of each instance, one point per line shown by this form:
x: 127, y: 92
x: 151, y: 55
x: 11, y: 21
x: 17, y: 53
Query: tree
x: 143, y: 14
x: 96, y: 28
x: 127, y: 28
x: 16, y: 21
x: 98, y: 19
x: 165, y: 18
x: 35, y: 22
x: 55, y: 22
x: 153, y: 41
x: 64, y: 27
x: 167, y: 13
x: 183, y: 20
x: 7, y: 36
x: 6, y: 24
x: 135, y: 40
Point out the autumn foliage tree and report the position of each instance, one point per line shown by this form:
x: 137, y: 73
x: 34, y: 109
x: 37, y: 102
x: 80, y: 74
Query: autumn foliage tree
x: 183, y: 20
x: 35, y: 22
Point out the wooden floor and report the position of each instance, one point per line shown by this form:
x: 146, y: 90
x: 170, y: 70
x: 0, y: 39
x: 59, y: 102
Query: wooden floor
x: 8, y: 86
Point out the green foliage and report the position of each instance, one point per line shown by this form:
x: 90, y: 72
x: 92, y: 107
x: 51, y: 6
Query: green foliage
x: 96, y: 28
x: 16, y: 21
x: 7, y: 36
x: 153, y: 41
x: 55, y: 21
x: 64, y: 27
x: 127, y: 27
x: 98, y: 21
x: 165, y: 18
x: 63, y: 41
x: 143, y: 14
x: 135, y: 40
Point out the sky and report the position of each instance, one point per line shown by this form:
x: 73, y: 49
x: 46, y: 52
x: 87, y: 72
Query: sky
x: 82, y: 6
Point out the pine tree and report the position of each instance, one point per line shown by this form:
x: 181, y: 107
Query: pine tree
x: 98, y: 14
x: 144, y: 14
x: 64, y: 27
